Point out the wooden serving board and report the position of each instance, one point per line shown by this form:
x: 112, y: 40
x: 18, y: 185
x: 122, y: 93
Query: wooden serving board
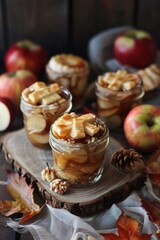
x: 114, y: 186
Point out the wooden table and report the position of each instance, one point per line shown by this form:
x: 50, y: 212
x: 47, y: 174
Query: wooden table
x: 7, y: 233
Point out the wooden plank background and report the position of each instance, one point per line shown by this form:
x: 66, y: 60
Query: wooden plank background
x: 2, y: 34
x: 148, y: 17
x: 97, y: 16
x: 42, y: 21
x: 68, y: 25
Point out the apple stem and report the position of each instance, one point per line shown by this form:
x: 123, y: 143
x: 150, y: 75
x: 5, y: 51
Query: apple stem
x: 26, y: 44
x: 26, y: 47
x: 47, y: 165
x: 131, y: 35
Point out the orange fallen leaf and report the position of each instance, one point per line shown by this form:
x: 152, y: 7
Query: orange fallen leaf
x: 128, y: 229
x: 22, y: 194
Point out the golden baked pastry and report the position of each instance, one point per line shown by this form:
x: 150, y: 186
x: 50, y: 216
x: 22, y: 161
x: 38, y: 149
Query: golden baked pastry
x: 119, y: 81
x: 67, y: 63
x: 39, y: 93
x: 150, y: 77
x: 72, y: 126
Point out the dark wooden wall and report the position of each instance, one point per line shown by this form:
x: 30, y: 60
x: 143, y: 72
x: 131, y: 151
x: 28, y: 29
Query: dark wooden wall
x: 68, y: 25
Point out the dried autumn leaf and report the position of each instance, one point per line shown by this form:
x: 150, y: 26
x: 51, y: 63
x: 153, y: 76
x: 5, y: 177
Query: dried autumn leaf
x: 153, y: 210
x: 155, y: 178
x: 128, y: 229
x: 22, y: 194
x: 9, y: 207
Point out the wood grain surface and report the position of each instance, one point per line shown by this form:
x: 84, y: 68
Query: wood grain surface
x: 30, y: 160
x: 68, y: 25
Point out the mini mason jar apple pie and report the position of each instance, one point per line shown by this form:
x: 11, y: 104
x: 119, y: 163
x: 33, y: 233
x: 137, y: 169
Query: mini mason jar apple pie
x: 78, y: 145
x: 41, y: 105
x: 117, y: 93
x: 71, y: 72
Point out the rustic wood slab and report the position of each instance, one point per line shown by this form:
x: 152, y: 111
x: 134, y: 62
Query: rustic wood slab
x: 114, y: 186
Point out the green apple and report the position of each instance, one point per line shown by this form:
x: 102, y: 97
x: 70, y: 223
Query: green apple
x: 142, y: 128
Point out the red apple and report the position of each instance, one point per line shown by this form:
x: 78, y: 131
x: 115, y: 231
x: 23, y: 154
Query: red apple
x: 135, y: 48
x: 7, y: 113
x: 142, y: 128
x: 26, y: 55
x: 13, y: 83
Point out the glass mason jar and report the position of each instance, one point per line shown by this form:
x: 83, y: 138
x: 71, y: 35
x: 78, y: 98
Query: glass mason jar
x: 71, y: 72
x: 81, y: 164
x: 38, y: 118
x: 114, y: 105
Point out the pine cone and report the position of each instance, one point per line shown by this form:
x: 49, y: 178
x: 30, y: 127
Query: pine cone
x: 127, y: 160
x: 59, y: 186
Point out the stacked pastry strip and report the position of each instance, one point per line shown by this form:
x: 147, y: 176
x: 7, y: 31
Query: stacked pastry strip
x: 74, y: 126
x: 150, y: 77
x: 39, y: 93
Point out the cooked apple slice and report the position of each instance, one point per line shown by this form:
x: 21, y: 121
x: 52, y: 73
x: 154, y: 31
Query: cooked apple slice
x: 90, y: 167
x: 41, y: 139
x: 71, y: 174
x: 61, y: 161
x: 36, y: 123
x: 7, y: 113
x: 105, y: 104
x: 108, y: 112
x: 79, y: 156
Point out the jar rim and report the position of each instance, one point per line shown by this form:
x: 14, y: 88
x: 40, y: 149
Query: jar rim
x: 104, y: 136
x: 139, y: 86
x: 29, y: 106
